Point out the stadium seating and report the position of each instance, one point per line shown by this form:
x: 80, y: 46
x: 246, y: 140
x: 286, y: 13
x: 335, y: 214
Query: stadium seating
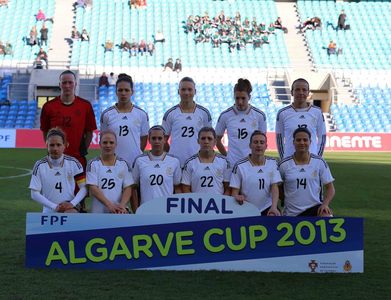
x: 16, y: 22
x: 365, y: 46
x: 115, y: 20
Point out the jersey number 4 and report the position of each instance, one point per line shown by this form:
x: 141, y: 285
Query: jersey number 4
x: 58, y: 186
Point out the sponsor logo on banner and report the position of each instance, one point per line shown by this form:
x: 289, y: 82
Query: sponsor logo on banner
x: 7, y: 138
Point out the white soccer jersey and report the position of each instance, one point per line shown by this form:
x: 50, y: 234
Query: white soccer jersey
x: 206, y: 177
x: 128, y: 127
x: 290, y: 118
x: 303, y: 183
x: 240, y: 125
x: 112, y: 180
x: 255, y: 182
x: 57, y: 184
x: 183, y: 129
x: 156, y: 178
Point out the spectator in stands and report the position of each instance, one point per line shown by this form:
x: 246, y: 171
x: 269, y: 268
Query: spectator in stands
x: 169, y: 65
x: 40, y: 16
x: 75, y: 35
x: 44, y: 35
x: 8, y: 49
x: 2, y: 48
x: 151, y: 48
x: 4, y: 3
x: 84, y: 36
x: 103, y: 80
x: 142, y: 47
x: 159, y: 37
x: 178, y: 66
x: 42, y: 55
x: 108, y: 46
x: 332, y: 48
x: 311, y: 23
x: 125, y: 45
x: 37, y: 64
x: 133, y: 48
x: 112, y: 79
x: 341, y: 20
x: 33, y: 36
x: 278, y: 25
x: 80, y: 3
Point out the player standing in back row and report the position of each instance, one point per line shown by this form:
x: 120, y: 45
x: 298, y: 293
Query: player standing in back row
x: 300, y: 114
x: 183, y: 122
x: 240, y: 121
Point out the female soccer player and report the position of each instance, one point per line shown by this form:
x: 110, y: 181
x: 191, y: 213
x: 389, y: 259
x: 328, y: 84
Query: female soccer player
x: 109, y: 178
x: 240, y: 121
x: 129, y: 122
x: 55, y: 176
x: 255, y: 178
x: 183, y: 121
x: 304, y: 174
x: 207, y: 171
x: 157, y: 173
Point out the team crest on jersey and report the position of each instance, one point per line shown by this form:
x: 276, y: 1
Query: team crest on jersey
x: 199, y: 123
x: 70, y: 177
x: 136, y: 123
x: 219, y: 172
x: 121, y: 175
x: 169, y: 171
x: 314, y: 174
x: 313, y: 121
x: 254, y: 124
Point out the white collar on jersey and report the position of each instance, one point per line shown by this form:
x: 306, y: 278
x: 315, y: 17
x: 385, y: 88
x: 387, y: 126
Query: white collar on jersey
x: 241, y: 111
x: 56, y: 163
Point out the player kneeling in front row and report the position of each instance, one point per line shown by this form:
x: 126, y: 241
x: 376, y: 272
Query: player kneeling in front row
x: 304, y: 174
x: 157, y: 173
x: 55, y: 176
x: 109, y: 178
x: 206, y: 171
x: 255, y: 178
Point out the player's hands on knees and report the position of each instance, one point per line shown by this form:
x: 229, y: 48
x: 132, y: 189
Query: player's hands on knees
x: 325, y: 211
x: 240, y: 199
x: 274, y: 212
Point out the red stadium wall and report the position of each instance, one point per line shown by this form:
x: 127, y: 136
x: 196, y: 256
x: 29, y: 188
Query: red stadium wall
x: 32, y: 138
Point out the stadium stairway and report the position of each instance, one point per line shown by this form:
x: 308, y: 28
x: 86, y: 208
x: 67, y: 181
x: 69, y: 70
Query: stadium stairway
x: 63, y: 20
x: 296, y: 46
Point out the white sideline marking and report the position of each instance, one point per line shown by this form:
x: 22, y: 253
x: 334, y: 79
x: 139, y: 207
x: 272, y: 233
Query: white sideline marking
x: 16, y: 176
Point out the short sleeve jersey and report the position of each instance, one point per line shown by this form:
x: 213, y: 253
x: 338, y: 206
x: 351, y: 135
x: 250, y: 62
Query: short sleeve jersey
x: 75, y: 120
x: 255, y: 182
x: 128, y: 127
x: 57, y: 184
x: 240, y: 125
x: 183, y: 129
x: 206, y: 177
x: 290, y: 118
x: 156, y: 178
x: 303, y: 183
x: 112, y: 180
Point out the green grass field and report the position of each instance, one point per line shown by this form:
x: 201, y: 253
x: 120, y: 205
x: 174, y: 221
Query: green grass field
x: 362, y: 190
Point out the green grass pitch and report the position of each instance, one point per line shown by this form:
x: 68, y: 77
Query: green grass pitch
x: 362, y: 190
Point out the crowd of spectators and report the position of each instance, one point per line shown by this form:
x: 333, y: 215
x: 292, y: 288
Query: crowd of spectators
x: 231, y: 30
